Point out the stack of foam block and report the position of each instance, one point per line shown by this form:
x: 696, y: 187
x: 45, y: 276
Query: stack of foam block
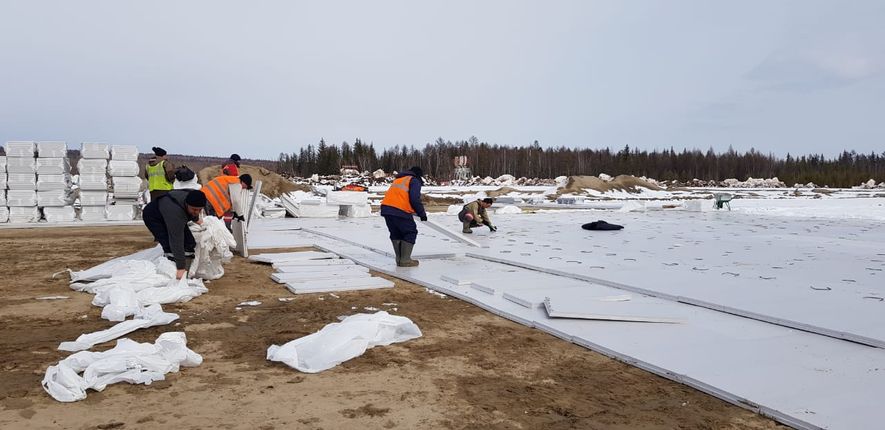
x: 93, y: 180
x: 123, y: 170
x: 4, y: 210
x: 21, y: 179
x: 319, y: 272
x: 54, y: 182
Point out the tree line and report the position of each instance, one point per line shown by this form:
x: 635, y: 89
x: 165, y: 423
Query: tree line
x: 534, y: 161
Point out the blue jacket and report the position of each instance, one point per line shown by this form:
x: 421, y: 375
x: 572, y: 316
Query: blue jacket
x: 414, y: 199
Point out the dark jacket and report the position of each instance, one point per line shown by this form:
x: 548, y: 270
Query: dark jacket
x: 414, y: 199
x: 172, y: 208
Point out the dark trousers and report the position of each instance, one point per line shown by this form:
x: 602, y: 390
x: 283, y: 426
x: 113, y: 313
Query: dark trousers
x: 155, y: 194
x: 153, y: 220
x: 402, y: 228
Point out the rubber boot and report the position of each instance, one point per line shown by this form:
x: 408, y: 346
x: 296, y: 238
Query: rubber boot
x: 466, y: 229
x: 396, y: 250
x: 406, y: 255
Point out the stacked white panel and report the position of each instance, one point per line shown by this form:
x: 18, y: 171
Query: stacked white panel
x: 52, y: 149
x: 21, y: 165
x: 92, y: 213
x: 53, y: 182
x: 122, y: 168
x: 92, y: 166
x: 21, y: 198
x: 54, y: 198
x: 124, y: 153
x: 118, y: 212
x: 24, y: 214
x: 3, y: 179
x: 53, y: 166
x: 4, y: 214
x: 126, y: 187
x: 21, y: 181
x: 95, y: 151
x: 93, y: 198
x: 93, y: 182
x: 2, y: 164
x: 2, y: 197
x: 59, y: 214
x: 20, y: 149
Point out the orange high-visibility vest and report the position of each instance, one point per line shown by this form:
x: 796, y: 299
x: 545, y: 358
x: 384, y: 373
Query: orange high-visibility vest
x: 397, y: 195
x: 217, y: 193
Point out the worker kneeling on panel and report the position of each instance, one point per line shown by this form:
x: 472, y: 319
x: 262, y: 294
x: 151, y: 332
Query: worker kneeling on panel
x: 167, y: 219
x: 475, y: 214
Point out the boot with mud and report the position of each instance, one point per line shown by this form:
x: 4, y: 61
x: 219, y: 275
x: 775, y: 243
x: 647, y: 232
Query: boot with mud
x: 405, y: 260
x: 466, y: 229
x: 396, y: 250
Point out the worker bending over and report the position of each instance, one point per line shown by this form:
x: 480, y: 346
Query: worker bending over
x: 401, y: 202
x: 167, y: 219
x: 475, y: 214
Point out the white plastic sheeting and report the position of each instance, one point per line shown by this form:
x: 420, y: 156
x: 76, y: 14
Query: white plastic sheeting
x: 24, y: 214
x: 124, y: 152
x: 93, y: 166
x: 93, y: 198
x: 126, y: 186
x: 118, y: 212
x: 21, y: 198
x: 214, y: 243
x: 125, y: 264
x: 122, y: 168
x: 128, y: 361
x: 342, y: 341
x: 95, y: 150
x: 150, y: 316
x: 93, y: 181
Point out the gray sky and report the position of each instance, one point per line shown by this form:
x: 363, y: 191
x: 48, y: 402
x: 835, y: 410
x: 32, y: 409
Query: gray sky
x: 260, y: 78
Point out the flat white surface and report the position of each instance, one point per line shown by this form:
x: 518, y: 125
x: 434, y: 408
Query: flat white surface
x: 337, y: 268
x: 800, y: 378
x: 291, y: 256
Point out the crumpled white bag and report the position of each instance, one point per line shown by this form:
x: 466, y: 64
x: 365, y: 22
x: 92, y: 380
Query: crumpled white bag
x: 150, y: 316
x: 121, y: 298
x: 128, y: 361
x: 342, y: 341
x: 119, y: 265
x: 213, y: 250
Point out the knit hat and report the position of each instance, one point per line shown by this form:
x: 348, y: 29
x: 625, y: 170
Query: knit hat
x: 417, y: 171
x: 246, y: 179
x: 159, y: 152
x: 196, y: 199
x: 185, y: 179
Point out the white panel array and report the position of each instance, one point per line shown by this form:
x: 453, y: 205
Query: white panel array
x: 52, y: 149
x: 93, y: 180
x: 124, y: 153
x: 95, y: 151
x: 123, y: 170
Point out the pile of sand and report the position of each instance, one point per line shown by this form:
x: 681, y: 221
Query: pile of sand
x: 272, y: 184
x: 628, y: 183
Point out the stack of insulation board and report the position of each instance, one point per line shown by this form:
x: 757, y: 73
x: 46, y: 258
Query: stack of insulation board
x: 4, y: 210
x: 123, y: 170
x: 353, y: 204
x: 54, y: 182
x: 93, y: 180
x: 319, y: 272
x: 21, y: 181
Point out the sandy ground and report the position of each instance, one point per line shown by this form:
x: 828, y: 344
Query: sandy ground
x: 470, y: 370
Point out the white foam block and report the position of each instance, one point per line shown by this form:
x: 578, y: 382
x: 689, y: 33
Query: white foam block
x: 283, y: 278
x: 52, y: 149
x: 272, y: 258
x: 21, y: 165
x: 53, y: 166
x: 96, y: 151
x: 21, y: 198
x: 339, y: 285
x: 124, y: 153
x: 321, y: 269
x: 54, y: 198
x: 20, y: 149
x: 313, y: 263
x: 123, y: 168
x: 357, y: 198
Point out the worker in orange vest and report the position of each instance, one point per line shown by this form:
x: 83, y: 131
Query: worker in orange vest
x: 217, y: 193
x: 400, y: 204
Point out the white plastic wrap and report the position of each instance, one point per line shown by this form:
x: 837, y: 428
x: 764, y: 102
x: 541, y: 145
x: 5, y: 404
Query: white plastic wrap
x: 4, y: 214
x: 120, y: 212
x: 126, y: 187
x: 128, y: 361
x: 94, y: 166
x: 53, y: 182
x: 24, y: 214
x: 59, y: 214
x: 52, y: 149
x: 358, y: 211
x: 21, y: 198
x: 93, y: 181
x: 122, y: 168
x: 359, y: 198
x: 93, y: 198
x: 124, y: 153
x: 214, y: 243
x: 97, y: 151
x: 21, y: 181
x: 342, y: 341
x: 20, y: 149
x: 2, y: 197
x: 3, y: 176
x: 150, y: 316
x: 92, y: 213
x: 54, y: 198
x: 2, y: 164
x: 53, y: 166
x: 138, y: 264
x: 21, y: 165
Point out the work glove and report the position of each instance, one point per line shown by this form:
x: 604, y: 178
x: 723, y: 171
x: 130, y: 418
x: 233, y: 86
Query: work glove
x: 424, y: 218
x: 490, y: 226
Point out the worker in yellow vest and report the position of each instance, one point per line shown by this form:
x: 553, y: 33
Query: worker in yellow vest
x: 160, y: 174
x: 400, y: 204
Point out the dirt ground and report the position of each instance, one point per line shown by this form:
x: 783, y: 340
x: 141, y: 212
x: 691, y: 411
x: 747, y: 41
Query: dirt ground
x: 471, y: 369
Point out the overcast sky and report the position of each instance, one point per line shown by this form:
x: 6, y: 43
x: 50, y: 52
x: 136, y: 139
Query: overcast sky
x: 264, y: 77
